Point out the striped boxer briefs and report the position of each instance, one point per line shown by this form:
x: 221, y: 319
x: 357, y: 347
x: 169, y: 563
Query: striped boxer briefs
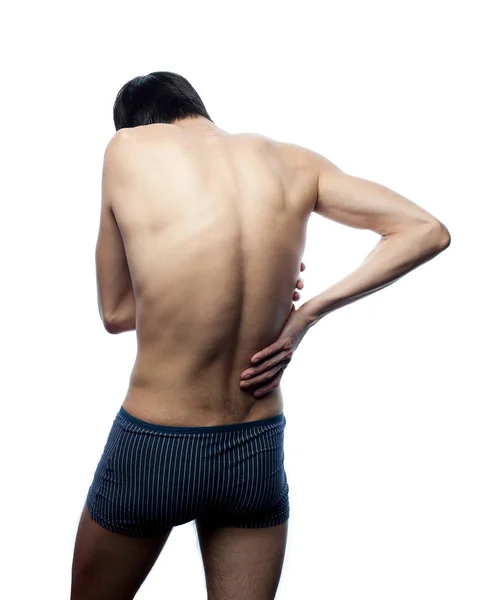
x: 153, y: 477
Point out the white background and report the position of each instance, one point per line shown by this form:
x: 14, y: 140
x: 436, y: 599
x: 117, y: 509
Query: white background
x: 384, y: 399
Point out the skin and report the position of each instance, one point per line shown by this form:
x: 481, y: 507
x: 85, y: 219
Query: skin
x: 213, y: 231
x: 200, y: 245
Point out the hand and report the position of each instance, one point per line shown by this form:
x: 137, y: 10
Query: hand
x: 270, y: 363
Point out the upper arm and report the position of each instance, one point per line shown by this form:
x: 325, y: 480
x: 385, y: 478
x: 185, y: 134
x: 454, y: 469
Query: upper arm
x: 361, y: 203
x: 112, y: 272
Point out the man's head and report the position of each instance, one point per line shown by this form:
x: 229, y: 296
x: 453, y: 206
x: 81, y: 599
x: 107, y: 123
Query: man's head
x: 159, y: 97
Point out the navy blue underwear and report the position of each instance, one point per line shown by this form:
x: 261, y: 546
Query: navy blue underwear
x: 153, y: 477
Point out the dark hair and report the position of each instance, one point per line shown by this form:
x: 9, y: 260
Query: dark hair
x: 159, y: 97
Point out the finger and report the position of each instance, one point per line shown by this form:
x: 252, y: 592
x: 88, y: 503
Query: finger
x: 300, y: 284
x: 268, y: 364
x: 264, y: 378
x: 269, y: 387
x: 302, y: 266
x: 296, y: 296
x: 268, y: 351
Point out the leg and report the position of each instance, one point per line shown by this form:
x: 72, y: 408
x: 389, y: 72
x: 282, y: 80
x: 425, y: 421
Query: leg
x: 110, y: 566
x: 242, y: 563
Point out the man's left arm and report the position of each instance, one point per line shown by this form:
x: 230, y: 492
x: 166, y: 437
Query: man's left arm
x: 116, y: 298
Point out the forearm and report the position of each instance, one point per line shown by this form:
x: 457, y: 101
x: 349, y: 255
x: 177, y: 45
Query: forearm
x: 393, y: 256
x: 127, y: 323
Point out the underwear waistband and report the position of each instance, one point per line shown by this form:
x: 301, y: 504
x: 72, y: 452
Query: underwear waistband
x: 277, y: 419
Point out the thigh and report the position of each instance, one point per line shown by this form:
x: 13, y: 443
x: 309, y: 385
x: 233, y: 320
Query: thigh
x: 242, y: 563
x: 111, y: 566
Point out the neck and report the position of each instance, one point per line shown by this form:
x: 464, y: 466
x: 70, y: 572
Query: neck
x: 198, y: 124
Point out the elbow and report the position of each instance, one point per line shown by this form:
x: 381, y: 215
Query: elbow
x: 120, y: 324
x: 108, y: 320
x: 110, y: 325
x: 441, y: 235
x: 435, y: 235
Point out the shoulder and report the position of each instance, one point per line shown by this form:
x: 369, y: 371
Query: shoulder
x: 273, y: 148
x: 118, y: 144
x: 134, y: 142
x: 287, y: 150
x: 293, y: 155
x: 132, y: 135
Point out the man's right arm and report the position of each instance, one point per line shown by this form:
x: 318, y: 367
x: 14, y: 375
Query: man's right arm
x: 410, y: 236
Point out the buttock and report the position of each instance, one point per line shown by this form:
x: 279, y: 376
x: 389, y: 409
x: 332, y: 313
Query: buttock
x: 151, y: 477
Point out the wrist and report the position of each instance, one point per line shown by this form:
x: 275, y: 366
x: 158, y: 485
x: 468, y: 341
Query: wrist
x: 306, y: 315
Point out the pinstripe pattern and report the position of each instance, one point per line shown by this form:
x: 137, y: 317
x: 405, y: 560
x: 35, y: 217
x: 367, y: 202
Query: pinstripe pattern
x: 151, y: 477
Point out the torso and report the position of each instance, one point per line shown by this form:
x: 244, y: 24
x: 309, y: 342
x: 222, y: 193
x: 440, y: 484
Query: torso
x: 214, y: 231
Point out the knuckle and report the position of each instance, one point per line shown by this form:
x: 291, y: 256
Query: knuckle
x: 287, y: 345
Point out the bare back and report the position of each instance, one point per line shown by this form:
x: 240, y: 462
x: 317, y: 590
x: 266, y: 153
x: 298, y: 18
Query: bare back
x: 214, y: 230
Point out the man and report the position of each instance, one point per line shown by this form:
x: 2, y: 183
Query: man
x: 199, y: 248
